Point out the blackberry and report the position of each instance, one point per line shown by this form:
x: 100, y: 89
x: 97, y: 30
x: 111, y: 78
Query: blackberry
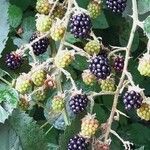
x: 119, y: 63
x: 132, y: 99
x: 78, y: 103
x: 40, y: 46
x: 77, y: 143
x: 13, y: 61
x: 117, y: 6
x: 80, y: 25
x: 99, y: 66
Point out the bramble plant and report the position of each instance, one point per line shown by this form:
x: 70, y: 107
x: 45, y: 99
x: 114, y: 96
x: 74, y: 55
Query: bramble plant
x: 75, y: 75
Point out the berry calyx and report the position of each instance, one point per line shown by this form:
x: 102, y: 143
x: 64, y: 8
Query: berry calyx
x: 89, y: 126
x: 13, y: 60
x: 80, y: 25
x: 88, y: 77
x: 38, y: 77
x: 78, y: 143
x: 64, y: 58
x: 98, y: 145
x: 78, y: 103
x: 119, y: 63
x: 92, y: 47
x: 144, y: 65
x: 23, y: 84
x: 39, y: 95
x: 49, y: 82
x: 108, y: 85
x: 117, y: 6
x: 58, y: 104
x: 43, y: 23
x: 99, y: 66
x: 144, y: 111
x: 57, y: 31
x: 94, y: 8
x: 43, y: 7
x: 132, y: 98
x: 40, y: 46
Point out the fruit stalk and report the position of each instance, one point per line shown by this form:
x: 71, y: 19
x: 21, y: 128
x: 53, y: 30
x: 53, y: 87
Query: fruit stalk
x: 127, y: 57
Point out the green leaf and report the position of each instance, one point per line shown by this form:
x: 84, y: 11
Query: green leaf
x: 10, y: 98
x: 100, y: 22
x: 8, y: 138
x: 135, y: 131
x: 70, y: 132
x: 82, y: 3
x: 124, y: 37
x: 80, y: 63
x: 71, y: 39
x: 100, y: 113
x: 147, y: 26
x: 30, y: 134
x: 23, y: 4
x: 28, y: 26
x: 4, y: 25
x: 15, y: 16
x: 143, y: 6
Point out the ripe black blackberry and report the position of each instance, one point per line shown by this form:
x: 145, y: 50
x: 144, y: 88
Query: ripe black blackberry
x: 132, y: 99
x: 40, y: 46
x: 80, y: 25
x: 119, y: 63
x: 77, y: 143
x: 13, y: 60
x: 99, y: 66
x: 78, y: 103
x: 117, y: 6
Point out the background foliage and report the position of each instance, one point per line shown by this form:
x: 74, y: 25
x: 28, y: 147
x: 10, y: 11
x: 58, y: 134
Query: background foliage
x: 21, y: 130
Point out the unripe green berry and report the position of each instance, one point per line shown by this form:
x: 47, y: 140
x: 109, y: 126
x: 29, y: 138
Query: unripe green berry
x: 43, y: 6
x: 38, y: 77
x: 64, y: 58
x: 57, y: 32
x: 144, y: 65
x: 88, y: 77
x: 43, y: 23
x: 94, y: 8
x: 23, y: 104
x: 40, y: 95
x: 144, y: 112
x: 58, y: 104
x: 23, y: 84
x: 92, y: 47
x: 108, y: 85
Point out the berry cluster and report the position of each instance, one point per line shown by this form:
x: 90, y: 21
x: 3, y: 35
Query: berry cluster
x: 77, y: 143
x: 99, y: 66
x: 13, y: 60
x: 80, y: 25
x: 119, y: 63
x: 40, y: 46
x: 132, y: 99
x: 78, y: 103
x: 117, y: 6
